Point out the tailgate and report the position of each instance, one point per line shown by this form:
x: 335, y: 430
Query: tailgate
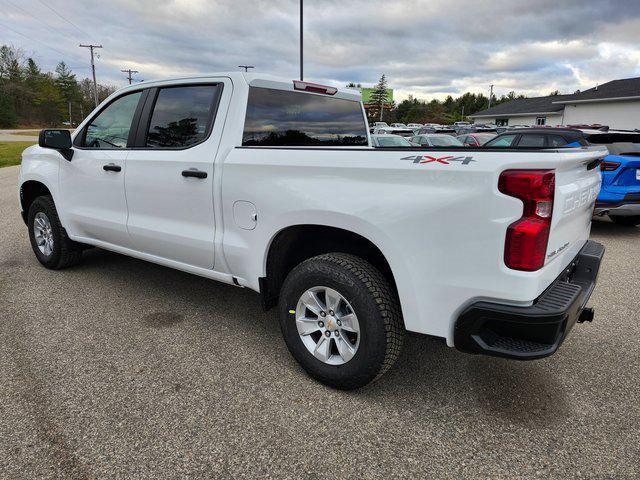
x: 577, y: 187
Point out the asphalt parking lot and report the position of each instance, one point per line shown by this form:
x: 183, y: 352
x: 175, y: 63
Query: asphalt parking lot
x: 121, y: 368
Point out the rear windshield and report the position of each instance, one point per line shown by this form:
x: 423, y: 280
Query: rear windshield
x: 285, y: 118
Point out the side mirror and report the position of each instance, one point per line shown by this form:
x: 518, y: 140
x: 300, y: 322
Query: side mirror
x: 57, y: 140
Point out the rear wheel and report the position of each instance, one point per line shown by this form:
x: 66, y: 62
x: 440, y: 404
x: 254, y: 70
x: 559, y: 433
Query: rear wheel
x: 627, y: 221
x: 340, y: 320
x: 49, y: 240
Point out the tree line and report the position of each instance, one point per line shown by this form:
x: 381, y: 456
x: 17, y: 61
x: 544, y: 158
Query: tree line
x: 30, y: 97
x: 413, y: 110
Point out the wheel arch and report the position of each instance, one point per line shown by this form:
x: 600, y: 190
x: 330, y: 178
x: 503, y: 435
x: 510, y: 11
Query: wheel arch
x: 29, y: 191
x: 295, y: 243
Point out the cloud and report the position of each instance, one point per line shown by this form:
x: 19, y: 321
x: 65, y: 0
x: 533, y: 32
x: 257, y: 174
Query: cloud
x: 428, y: 49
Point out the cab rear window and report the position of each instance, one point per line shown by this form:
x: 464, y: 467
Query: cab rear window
x: 286, y: 118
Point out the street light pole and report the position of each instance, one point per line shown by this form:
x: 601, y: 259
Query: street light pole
x: 490, y: 95
x: 246, y: 67
x: 301, y: 43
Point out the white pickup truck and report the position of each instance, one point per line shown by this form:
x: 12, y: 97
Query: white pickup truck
x: 272, y: 185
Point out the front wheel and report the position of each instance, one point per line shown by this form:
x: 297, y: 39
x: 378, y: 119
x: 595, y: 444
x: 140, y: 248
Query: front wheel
x: 49, y: 240
x: 627, y: 221
x: 341, y: 320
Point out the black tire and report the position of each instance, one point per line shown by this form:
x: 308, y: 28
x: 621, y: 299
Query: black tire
x: 372, y: 300
x: 65, y: 252
x: 627, y: 221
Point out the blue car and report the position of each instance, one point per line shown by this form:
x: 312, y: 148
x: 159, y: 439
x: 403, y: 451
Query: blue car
x: 620, y: 193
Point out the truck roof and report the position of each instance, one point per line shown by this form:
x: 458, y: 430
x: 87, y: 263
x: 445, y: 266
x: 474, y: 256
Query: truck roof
x: 251, y: 79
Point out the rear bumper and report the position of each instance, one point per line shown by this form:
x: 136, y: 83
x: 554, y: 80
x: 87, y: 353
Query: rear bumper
x: 628, y: 205
x: 527, y: 333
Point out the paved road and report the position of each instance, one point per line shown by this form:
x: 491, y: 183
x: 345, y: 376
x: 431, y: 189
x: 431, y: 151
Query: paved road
x: 9, y: 136
x: 121, y: 368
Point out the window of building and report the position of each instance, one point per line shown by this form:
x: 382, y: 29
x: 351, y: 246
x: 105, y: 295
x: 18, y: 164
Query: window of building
x: 286, y: 118
x: 502, y: 122
x: 541, y: 120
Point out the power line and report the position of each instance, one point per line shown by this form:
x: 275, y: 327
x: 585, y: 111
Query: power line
x: 93, y: 71
x: 129, y: 72
x: 36, y: 40
x: 49, y: 27
x: 68, y: 21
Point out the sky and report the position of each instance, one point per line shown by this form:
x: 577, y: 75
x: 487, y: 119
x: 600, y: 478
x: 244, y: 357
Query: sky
x: 428, y: 49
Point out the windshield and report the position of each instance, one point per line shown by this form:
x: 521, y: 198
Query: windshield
x: 444, y: 141
x: 391, y: 141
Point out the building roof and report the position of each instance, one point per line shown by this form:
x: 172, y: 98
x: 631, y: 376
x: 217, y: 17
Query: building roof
x: 626, y: 88
x: 524, y: 106
x: 613, y: 90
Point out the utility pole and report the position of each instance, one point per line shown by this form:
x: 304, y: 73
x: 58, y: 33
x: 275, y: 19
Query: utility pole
x: 93, y: 71
x: 490, y: 96
x: 462, y: 113
x: 70, y: 122
x: 246, y: 67
x: 301, y: 44
x: 129, y: 72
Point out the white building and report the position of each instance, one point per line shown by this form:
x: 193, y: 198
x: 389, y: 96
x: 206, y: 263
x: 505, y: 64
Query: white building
x: 615, y: 103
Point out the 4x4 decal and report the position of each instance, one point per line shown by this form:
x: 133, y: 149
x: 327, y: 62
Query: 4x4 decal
x: 443, y: 160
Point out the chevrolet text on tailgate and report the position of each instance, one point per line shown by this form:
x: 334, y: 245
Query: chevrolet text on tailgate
x: 273, y: 185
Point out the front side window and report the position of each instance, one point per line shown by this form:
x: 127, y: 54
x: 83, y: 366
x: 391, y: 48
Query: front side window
x: 181, y: 116
x: 501, y: 142
x: 531, y: 141
x: 286, y: 118
x: 110, y: 129
x: 444, y: 141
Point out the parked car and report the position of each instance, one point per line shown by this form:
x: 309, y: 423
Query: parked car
x: 398, y: 125
x: 403, y: 132
x: 377, y: 125
x: 436, y: 129
x: 385, y: 140
x: 485, y: 127
x: 619, y: 196
x: 436, y: 140
x: 354, y: 244
x: 475, y: 139
x: 537, y: 138
x: 414, y: 125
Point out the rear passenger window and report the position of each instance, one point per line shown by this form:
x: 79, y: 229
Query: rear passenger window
x: 531, y: 141
x: 556, y: 141
x: 182, y: 116
x: 286, y: 118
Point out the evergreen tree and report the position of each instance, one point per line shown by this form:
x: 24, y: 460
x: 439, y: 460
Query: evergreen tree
x: 379, y: 96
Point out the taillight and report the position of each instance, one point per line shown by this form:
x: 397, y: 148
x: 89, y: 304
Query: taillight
x: 609, y: 166
x: 314, y: 87
x: 527, y: 238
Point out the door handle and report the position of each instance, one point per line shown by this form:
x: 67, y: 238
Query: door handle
x: 111, y: 167
x: 192, y: 172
